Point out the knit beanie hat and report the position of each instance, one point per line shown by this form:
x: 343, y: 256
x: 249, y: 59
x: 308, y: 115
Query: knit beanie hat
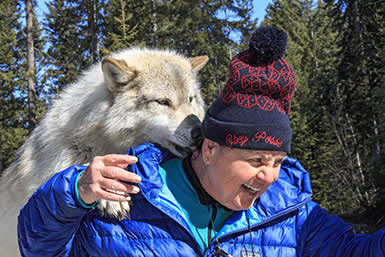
x: 252, y: 110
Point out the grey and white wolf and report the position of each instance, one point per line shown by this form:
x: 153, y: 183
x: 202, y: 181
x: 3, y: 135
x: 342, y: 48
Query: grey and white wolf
x: 134, y: 96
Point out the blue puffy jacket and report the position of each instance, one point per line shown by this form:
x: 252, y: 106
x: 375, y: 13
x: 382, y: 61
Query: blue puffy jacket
x: 285, y: 222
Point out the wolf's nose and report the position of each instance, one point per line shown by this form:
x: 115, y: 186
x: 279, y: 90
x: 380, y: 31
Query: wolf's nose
x: 196, y: 132
x: 192, y: 120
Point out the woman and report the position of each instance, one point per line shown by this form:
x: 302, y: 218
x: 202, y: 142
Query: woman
x: 238, y: 195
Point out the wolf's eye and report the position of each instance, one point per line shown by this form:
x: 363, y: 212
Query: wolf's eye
x: 163, y: 101
x: 191, y: 98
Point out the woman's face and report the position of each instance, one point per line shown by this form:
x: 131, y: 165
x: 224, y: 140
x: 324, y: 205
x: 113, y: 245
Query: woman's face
x: 237, y: 177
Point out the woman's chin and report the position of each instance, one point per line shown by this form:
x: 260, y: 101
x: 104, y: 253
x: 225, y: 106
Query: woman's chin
x: 245, y: 201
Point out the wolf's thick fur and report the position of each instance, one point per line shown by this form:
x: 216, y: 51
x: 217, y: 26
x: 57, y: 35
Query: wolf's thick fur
x: 132, y: 97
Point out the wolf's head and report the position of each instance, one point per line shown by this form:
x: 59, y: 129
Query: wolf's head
x: 155, y: 97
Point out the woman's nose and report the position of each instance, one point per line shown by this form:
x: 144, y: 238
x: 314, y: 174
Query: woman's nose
x: 267, y: 174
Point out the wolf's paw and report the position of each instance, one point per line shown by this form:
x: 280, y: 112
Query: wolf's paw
x: 117, y: 210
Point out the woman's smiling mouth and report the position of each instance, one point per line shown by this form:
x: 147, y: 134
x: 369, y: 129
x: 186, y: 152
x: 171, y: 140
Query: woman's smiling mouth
x: 251, y: 189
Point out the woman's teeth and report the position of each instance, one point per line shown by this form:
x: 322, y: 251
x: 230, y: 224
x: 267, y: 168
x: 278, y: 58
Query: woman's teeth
x: 254, y: 190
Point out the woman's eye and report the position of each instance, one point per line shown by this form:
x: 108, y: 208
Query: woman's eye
x: 165, y: 102
x: 256, y: 161
x: 278, y: 163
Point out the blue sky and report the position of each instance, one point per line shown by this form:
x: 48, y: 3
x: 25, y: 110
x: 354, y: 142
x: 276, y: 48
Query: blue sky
x: 258, y: 10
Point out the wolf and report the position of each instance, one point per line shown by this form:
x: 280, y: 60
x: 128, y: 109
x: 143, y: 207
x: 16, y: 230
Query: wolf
x: 133, y: 96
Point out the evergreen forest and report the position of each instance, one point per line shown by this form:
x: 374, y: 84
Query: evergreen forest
x: 336, y: 48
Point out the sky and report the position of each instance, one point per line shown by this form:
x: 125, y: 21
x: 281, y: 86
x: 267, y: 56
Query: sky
x: 259, y: 7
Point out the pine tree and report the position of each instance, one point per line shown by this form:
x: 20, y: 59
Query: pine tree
x: 296, y: 19
x: 359, y: 79
x: 336, y: 50
x: 121, y: 30
x: 194, y: 28
x: 12, y: 131
x: 74, y: 28
x: 329, y: 189
x: 312, y: 51
x: 218, y: 42
x: 15, y: 123
x: 30, y: 16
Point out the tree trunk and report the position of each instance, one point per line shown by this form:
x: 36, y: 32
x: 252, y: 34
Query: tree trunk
x: 376, y: 136
x: 92, y: 12
x: 1, y: 163
x: 154, y: 37
x: 31, y: 66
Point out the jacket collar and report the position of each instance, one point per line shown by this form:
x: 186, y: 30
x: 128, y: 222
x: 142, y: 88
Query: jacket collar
x: 149, y: 158
x: 283, y: 198
x: 288, y: 193
x: 291, y: 189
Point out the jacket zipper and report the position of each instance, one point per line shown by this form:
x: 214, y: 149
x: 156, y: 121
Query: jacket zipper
x: 197, y: 246
x: 280, y: 214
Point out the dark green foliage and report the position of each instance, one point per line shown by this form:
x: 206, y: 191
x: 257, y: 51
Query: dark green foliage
x: 72, y: 31
x: 336, y: 49
x: 79, y: 33
x: 296, y: 18
x: 361, y: 80
x: 14, y: 121
x: 194, y: 28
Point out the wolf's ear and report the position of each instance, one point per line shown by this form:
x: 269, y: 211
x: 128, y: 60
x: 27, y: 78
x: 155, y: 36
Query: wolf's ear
x: 198, y: 62
x: 117, y: 73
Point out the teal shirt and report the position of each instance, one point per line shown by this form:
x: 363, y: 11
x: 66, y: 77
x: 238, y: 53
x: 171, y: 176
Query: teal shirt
x: 197, y: 215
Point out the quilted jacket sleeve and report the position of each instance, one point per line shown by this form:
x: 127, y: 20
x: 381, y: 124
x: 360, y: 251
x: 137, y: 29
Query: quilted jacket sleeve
x: 326, y: 235
x: 48, y: 223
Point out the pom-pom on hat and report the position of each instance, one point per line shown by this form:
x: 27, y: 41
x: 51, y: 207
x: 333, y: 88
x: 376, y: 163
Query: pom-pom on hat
x: 252, y: 110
